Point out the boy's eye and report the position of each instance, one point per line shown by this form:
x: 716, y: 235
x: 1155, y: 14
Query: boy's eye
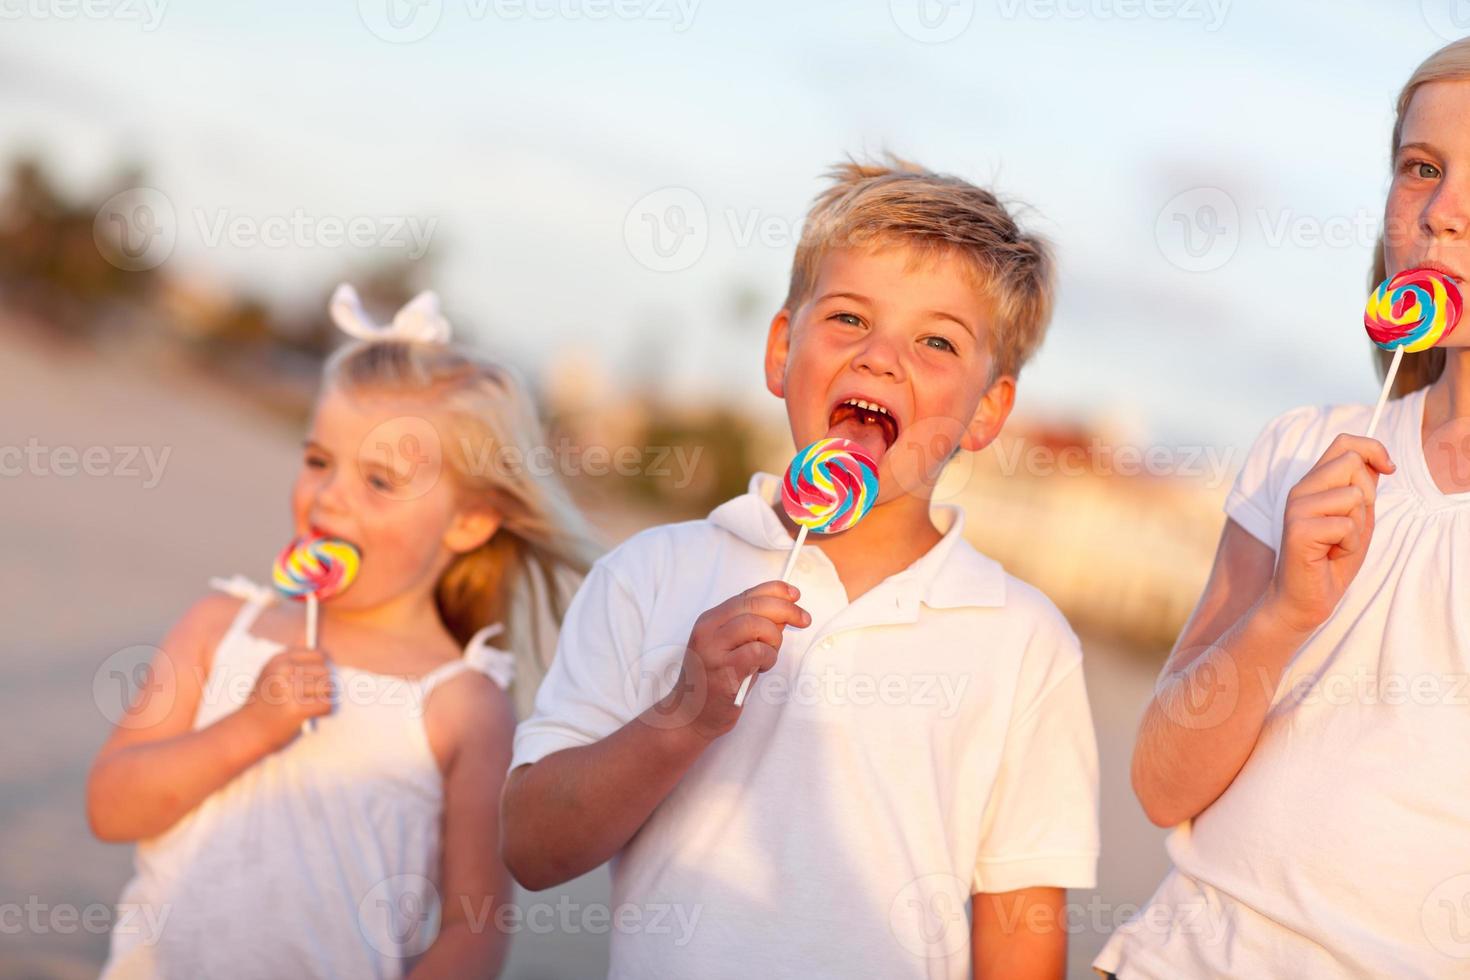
x: 851, y: 319
x: 939, y: 343
x: 380, y: 483
x: 316, y: 463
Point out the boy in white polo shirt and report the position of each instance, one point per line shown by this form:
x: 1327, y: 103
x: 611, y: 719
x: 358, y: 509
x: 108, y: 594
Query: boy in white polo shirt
x: 911, y: 784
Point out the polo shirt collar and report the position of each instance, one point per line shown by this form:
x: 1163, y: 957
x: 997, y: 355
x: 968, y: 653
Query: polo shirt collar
x: 950, y: 575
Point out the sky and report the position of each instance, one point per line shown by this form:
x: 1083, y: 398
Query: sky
x: 624, y: 180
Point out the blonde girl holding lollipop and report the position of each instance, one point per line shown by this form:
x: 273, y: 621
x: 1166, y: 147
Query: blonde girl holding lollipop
x: 367, y: 846
x: 1309, y: 738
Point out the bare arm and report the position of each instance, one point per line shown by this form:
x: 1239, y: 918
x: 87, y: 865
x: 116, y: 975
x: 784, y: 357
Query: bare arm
x: 1019, y: 935
x: 154, y: 768
x: 474, y: 883
x: 574, y: 809
x: 1212, y: 697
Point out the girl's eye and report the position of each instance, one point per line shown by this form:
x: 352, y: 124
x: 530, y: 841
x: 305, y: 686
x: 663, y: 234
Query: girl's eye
x: 379, y: 483
x: 939, y: 343
x: 315, y: 463
x: 1421, y: 169
x: 851, y: 319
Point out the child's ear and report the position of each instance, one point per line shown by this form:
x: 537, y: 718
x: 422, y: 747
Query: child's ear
x: 470, y: 529
x: 992, y: 412
x: 778, y: 344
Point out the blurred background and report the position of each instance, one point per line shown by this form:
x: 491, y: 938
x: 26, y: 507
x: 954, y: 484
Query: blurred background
x: 607, y: 195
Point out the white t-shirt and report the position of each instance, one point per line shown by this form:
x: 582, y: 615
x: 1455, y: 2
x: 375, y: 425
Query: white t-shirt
x: 1342, y: 848
x: 929, y: 740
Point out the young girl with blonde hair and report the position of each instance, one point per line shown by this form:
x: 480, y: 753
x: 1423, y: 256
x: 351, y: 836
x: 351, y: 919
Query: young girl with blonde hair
x: 1308, y: 736
x: 367, y: 845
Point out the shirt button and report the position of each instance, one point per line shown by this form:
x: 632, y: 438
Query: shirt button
x: 827, y: 643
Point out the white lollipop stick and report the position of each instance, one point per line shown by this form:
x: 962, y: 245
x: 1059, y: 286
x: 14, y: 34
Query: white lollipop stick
x: 311, y: 618
x: 309, y: 725
x: 1393, y: 369
x: 785, y: 577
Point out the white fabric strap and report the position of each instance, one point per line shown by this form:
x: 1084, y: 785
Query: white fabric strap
x: 498, y: 665
x: 242, y: 588
x: 419, y: 320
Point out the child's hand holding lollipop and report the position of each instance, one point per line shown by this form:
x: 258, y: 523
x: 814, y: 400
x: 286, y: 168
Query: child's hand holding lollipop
x: 311, y: 569
x: 294, y: 687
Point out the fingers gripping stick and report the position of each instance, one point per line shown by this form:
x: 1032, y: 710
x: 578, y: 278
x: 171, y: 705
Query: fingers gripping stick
x: 829, y: 486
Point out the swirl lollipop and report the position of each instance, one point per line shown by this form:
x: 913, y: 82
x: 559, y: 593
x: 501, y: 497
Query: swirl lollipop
x: 311, y: 569
x: 829, y: 486
x: 1412, y: 311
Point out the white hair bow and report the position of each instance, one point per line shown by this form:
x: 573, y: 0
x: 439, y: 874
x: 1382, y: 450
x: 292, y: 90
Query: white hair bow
x: 420, y: 319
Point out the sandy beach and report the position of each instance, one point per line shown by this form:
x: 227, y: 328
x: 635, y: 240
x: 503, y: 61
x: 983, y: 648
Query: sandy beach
x: 188, y: 482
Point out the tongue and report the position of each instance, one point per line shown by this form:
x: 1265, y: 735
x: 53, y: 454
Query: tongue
x: 867, y: 435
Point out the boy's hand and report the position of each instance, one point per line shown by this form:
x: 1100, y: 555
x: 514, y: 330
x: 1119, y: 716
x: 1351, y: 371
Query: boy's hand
x: 730, y: 642
x: 294, y: 685
x: 1327, y: 527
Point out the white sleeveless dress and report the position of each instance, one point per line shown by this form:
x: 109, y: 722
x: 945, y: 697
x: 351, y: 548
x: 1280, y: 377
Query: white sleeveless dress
x: 322, y: 859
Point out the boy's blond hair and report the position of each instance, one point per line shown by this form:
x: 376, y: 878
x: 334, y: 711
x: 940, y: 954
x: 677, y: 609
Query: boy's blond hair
x: 901, y: 203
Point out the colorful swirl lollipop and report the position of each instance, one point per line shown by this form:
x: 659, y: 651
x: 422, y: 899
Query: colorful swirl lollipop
x: 1413, y: 311
x: 829, y: 486
x: 315, y: 567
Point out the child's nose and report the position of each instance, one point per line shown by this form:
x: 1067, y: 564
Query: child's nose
x: 1447, y: 215
x: 331, y: 494
x: 880, y: 356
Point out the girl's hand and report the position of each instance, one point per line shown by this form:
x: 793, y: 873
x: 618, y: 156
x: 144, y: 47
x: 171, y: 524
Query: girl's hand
x: 730, y: 642
x: 1327, y: 528
x: 294, y: 685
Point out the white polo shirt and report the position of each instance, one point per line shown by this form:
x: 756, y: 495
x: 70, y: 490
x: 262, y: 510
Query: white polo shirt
x: 929, y: 740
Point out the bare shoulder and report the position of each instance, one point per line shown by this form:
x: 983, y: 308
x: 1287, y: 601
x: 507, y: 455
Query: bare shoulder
x: 469, y: 718
x: 199, y: 630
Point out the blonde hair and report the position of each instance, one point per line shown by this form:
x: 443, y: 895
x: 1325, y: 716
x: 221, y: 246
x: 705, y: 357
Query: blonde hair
x: 1449, y: 63
x: 524, y: 575
x: 899, y: 202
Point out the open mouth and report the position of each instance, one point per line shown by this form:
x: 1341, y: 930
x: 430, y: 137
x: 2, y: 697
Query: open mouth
x: 861, y: 420
x: 318, y: 531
